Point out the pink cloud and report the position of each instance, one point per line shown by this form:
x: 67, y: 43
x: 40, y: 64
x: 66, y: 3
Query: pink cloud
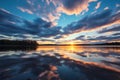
x: 98, y: 5
x: 71, y: 7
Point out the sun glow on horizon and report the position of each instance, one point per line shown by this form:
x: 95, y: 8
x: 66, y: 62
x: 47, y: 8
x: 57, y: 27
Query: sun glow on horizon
x: 72, y: 44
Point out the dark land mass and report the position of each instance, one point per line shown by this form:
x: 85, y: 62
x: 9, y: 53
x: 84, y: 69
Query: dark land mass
x: 18, y: 42
x: 113, y: 43
x: 17, y: 48
x: 16, y: 45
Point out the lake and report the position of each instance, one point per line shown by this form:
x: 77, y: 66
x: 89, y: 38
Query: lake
x: 61, y: 63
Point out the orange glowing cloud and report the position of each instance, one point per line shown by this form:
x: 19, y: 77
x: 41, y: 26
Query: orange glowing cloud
x: 71, y: 7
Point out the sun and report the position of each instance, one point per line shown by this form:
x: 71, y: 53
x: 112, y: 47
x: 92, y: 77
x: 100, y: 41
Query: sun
x: 72, y: 47
x: 71, y: 43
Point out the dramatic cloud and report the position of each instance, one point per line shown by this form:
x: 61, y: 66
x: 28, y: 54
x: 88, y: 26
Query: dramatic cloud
x: 94, y: 21
x: 17, y: 27
x: 98, y: 38
x: 44, y: 17
x: 71, y: 7
x: 50, y: 10
x: 117, y: 34
x: 106, y: 38
x: 113, y: 29
x: 42, y: 8
x: 6, y: 16
x: 11, y: 25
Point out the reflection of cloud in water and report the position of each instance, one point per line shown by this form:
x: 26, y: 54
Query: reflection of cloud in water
x: 61, y: 63
x: 80, y: 48
x: 90, y: 54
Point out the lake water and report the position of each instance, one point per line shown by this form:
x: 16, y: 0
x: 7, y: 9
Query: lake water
x: 61, y: 63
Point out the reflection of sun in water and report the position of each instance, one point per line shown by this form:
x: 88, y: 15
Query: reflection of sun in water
x: 71, y: 43
x: 72, y: 48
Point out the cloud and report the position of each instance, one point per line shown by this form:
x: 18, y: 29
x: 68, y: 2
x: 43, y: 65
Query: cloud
x: 117, y: 34
x: 114, y: 28
x: 11, y: 25
x: 71, y: 7
x: 98, y: 38
x: 98, y: 5
x: 19, y: 28
x: 51, y: 10
x: 25, y: 10
x: 44, y: 9
x: 106, y: 8
x: 106, y: 38
x: 117, y: 5
x: 94, y: 21
x: 82, y: 37
x: 6, y: 16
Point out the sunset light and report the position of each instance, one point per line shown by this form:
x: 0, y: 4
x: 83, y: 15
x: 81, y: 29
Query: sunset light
x: 59, y: 39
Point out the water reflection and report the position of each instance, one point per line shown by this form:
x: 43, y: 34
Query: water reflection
x: 61, y: 63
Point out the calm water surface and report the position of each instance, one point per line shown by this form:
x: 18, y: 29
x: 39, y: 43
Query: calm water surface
x: 61, y: 63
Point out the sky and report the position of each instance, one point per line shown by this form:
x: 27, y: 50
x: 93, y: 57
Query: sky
x: 60, y: 21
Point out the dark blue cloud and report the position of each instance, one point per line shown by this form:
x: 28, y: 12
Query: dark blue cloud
x: 11, y: 25
x: 117, y: 34
x: 115, y: 28
x: 93, y: 21
x: 106, y: 38
x: 7, y: 17
x: 80, y: 37
x: 98, y: 39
